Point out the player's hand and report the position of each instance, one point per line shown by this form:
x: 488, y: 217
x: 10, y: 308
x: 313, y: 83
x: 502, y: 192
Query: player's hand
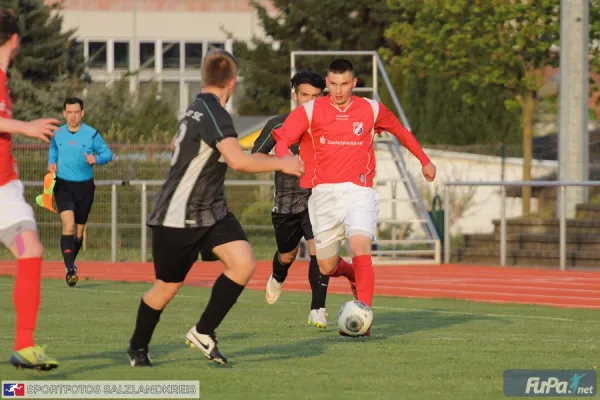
x: 41, y: 129
x: 90, y: 159
x: 292, y: 165
x: 429, y: 172
x: 52, y: 168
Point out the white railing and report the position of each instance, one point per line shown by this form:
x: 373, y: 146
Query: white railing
x: 144, y: 205
x: 562, y: 185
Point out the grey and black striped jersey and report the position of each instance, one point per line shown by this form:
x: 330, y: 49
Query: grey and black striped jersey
x: 290, y: 198
x: 193, y: 194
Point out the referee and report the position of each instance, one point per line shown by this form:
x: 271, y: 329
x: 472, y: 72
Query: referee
x: 74, y: 150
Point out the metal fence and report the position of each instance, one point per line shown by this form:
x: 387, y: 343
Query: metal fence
x: 561, y: 185
x: 114, y: 230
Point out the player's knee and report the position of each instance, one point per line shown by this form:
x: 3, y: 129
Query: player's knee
x: 68, y: 228
x: 359, y: 244
x: 33, y: 249
x: 161, y: 294
x: 288, y: 258
x: 327, y: 265
x: 242, y: 270
x: 37, y: 250
x: 27, y: 245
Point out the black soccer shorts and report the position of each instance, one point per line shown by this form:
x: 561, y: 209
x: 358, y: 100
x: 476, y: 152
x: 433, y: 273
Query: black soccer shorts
x: 75, y: 196
x: 290, y: 229
x: 175, y: 250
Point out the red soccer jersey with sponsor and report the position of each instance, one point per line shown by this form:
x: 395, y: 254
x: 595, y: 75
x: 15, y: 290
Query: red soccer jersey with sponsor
x: 338, y: 144
x: 7, y: 162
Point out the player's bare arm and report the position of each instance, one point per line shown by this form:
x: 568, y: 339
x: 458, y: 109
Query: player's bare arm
x: 239, y: 160
x: 41, y: 129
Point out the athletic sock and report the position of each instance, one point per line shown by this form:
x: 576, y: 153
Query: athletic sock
x: 67, y: 247
x: 147, y: 319
x: 344, y: 269
x: 224, y: 295
x: 365, y: 278
x: 78, y: 242
x: 26, y: 298
x: 318, y: 284
x: 280, y: 270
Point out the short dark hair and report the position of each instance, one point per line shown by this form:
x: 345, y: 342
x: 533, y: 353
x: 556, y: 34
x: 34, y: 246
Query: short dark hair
x: 218, y: 68
x: 72, y: 100
x: 311, y: 78
x: 9, y: 25
x: 340, y: 65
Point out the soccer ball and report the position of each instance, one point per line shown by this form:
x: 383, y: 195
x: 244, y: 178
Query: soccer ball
x: 355, y: 318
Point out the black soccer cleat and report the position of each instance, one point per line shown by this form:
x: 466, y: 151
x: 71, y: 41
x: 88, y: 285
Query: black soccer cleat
x: 207, y: 344
x: 71, y: 278
x: 139, y: 357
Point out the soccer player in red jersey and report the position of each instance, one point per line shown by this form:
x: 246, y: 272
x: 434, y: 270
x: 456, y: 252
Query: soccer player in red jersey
x: 339, y: 158
x: 18, y: 228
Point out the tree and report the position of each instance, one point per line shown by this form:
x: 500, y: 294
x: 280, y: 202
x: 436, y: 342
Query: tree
x: 338, y: 25
x: 123, y: 117
x: 480, y: 43
x: 50, y: 64
x: 439, y: 116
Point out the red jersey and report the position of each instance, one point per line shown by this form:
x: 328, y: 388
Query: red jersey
x: 338, y: 144
x: 8, y: 165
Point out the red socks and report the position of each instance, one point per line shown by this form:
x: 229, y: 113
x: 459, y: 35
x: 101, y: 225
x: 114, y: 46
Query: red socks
x: 365, y: 278
x: 344, y: 269
x: 26, y: 297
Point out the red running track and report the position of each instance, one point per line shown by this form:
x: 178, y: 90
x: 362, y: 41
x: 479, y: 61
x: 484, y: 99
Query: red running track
x: 574, y: 289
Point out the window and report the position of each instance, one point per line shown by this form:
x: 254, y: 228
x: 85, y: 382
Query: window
x: 171, y: 55
x: 216, y: 45
x: 193, y: 55
x: 121, y: 53
x: 97, y: 54
x: 147, y: 55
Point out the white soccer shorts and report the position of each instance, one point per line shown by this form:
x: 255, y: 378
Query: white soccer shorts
x: 338, y: 211
x: 16, y: 215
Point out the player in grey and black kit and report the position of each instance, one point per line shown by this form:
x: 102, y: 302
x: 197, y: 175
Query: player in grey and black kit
x: 290, y: 212
x: 191, y: 216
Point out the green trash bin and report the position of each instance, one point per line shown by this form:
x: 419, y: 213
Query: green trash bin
x: 437, y: 217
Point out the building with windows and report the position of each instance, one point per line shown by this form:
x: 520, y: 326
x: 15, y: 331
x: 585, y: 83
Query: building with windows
x: 164, y: 40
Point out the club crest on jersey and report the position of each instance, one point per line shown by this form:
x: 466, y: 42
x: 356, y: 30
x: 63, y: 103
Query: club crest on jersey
x: 357, y: 128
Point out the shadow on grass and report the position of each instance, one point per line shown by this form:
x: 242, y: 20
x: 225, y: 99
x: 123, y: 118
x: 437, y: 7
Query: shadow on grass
x: 385, y: 325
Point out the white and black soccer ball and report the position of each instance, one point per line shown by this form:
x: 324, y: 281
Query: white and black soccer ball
x: 355, y: 318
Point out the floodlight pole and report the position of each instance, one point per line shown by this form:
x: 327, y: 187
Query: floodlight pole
x: 573, y: 153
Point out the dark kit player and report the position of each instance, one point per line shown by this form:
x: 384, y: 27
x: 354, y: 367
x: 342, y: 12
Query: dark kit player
x: 290, y: 212
x: 191, y: 216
